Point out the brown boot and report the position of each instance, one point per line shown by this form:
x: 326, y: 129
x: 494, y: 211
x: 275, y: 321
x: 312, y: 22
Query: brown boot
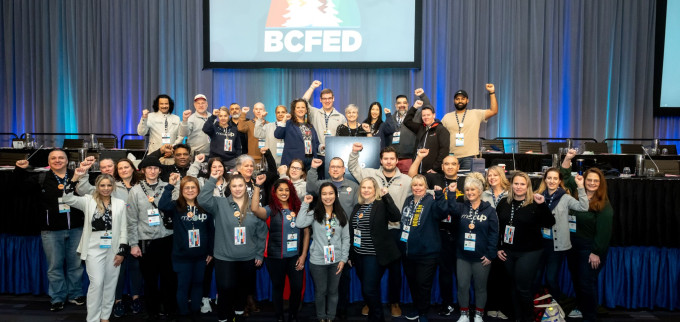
x: 364, y: 310
x: 251, y: 305
x: 395, y: 310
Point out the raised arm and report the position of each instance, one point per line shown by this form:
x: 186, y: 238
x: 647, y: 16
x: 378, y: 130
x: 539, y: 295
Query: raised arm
x: 493, y: 110
x: 206, y: 198
x: 353, y: 162
x: 313, y: 177
x: 209, y: 126
x: 142, y: 128
x: 307, y: 96
x: 259, y: 212
x: 259, y: 131
x: 305, y: 217
x: 415, y: 166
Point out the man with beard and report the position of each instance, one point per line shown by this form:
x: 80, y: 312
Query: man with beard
x: 403, y: 139
x: 463, y: 125
x: 180, y: 163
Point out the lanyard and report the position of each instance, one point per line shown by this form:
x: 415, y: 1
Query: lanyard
x: 460, y: 123
x: 512, y: 212
x: 326, y: 117
x: 496, y: 200
x: 363, y: 210
x: 331, y: 222
x: 386, y: 183
x: 400, y: 119
x: 471, y: 226
x: 237, y: 213
x: 151, y: 198
x: 61, y: 181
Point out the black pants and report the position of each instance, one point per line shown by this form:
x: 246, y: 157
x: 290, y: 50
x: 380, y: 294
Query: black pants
x: 278, y: 269
x: 156, y: 264
x: 420, y: 275
x: 207, y: 278
x: 498, y: 287
x: 394, y: 272
x: 447, y: 266
x: 370, y: 273
x: 233, y: 281
x: 522, y: 267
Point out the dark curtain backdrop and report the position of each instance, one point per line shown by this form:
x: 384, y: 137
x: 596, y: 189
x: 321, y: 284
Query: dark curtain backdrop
x: 561, y: 68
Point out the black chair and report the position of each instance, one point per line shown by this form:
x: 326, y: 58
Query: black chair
x: 493, y: 145
x: 632, y: 149
x: 530, y: 146
x: 109, y: 143
x: 671, y: 148
x: 73, y: 143
x: 554, y: 147
x: 134, y: 144
x: 596, y: 147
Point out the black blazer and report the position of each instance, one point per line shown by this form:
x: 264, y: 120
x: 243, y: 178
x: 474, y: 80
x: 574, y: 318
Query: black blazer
x: 382, y: 212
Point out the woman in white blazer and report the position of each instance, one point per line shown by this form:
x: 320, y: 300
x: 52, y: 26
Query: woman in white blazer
x: 103, y: 243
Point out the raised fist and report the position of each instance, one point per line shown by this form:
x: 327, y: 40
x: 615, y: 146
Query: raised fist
x: 453, y: 186
x: 490, y: 88
x: 288, y: 116
x: 216, y: 112
x: 419, y: 91
x: 579, y: 180
x: 81, y: 171
x: 245, y: 109
x: 418, y: 104
x: 186, y: 114
x: 263, y: 115
x: 200, y: 157
x: 316, y: 84
x: 316, y: 163
x: 386, y: 110
x: 174, y: 177
x: 366, y: 127
x: 22, y: 164
x: 264, y: 150
x: 539, y: 198
x: 308, y: 199
x: 423, y: 152
x: 283, y: 169
x: 356, y: 147
x: 384, y: 191
x: 145, y: 113
x: 260, y: 179
x: 571, y: 154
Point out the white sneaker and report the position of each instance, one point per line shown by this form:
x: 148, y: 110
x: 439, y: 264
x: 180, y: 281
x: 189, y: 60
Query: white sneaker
x: 205, y: 306
x: 575, y: 314
x: 492, y: 314
x: 478, y: 317
x: 501, y: 316
x: 464, y: 318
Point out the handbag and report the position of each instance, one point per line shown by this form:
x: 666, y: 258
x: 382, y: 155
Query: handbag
x: 552, y: 311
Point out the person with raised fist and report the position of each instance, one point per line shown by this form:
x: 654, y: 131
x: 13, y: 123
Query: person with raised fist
x: 193, y: 231
x: 330, y: 248
x: 162, y: 126
x: 192, y: 125
x: 61, y: 227
x: 225, y: 139
x: 430, y: 134
x: 326, y: 119
x: 265, y: 131
x: 521, y: 215
x: 247, y: 127
x: 300, y: 136
x: 374, y: 126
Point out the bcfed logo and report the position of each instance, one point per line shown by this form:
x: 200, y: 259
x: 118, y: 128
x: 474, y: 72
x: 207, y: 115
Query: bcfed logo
x: 312, y: 26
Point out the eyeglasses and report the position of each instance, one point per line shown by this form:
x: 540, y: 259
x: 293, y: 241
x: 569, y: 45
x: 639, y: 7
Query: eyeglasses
x: 190, y: 188
x: 296, y: 168
x: 327, y: 98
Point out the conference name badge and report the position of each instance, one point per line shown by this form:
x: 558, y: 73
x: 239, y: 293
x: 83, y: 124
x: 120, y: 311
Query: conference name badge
x: 165, y: 138
x: 291, y: 245
x: 469, y: 243
x: 460, y: 139
x: 260, y: 143
x: 194, y: 238
x: 63, y: 207
x: 239, y: 236
x: 105, y: 241
x: 404, y: 233
x: 357, y: 238
x: 228, y: 145
x: 154, y: 217
x: 329, y: 254
x: 279, y: 148
x: 395, y: 137
x: 509, y: 236
x: 572, y: 223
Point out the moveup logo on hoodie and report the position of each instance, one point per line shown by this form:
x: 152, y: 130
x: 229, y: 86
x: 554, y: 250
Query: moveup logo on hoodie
x: 328, y: 26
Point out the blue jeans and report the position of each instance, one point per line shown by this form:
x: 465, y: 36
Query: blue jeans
x: 551, y: 264
x: 370, y: 274
x: 64, y: 267
x: 584, y: 276
x: 189, y: 279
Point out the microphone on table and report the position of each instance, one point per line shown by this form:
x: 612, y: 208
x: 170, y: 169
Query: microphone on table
x: 514, y: 164
x: 658, y: 173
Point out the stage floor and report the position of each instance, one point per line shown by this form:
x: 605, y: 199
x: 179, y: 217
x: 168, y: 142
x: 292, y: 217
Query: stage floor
x: 36, y: 308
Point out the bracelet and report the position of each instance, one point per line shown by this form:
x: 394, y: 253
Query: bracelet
x: 257, y: 185
x: 492, y: 93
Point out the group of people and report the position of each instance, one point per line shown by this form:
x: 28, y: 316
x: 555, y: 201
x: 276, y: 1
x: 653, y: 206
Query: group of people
x: 244, y: 193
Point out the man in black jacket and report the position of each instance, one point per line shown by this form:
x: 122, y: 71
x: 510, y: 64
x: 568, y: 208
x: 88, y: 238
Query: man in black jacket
x: 430, y: 134
x: 61, y: 228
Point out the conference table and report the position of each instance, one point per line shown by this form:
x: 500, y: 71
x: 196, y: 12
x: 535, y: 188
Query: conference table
x: 531, y: 162
x: 642, y: 269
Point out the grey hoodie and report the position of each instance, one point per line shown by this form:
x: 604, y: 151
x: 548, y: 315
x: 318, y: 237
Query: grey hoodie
x: 138, y: 227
